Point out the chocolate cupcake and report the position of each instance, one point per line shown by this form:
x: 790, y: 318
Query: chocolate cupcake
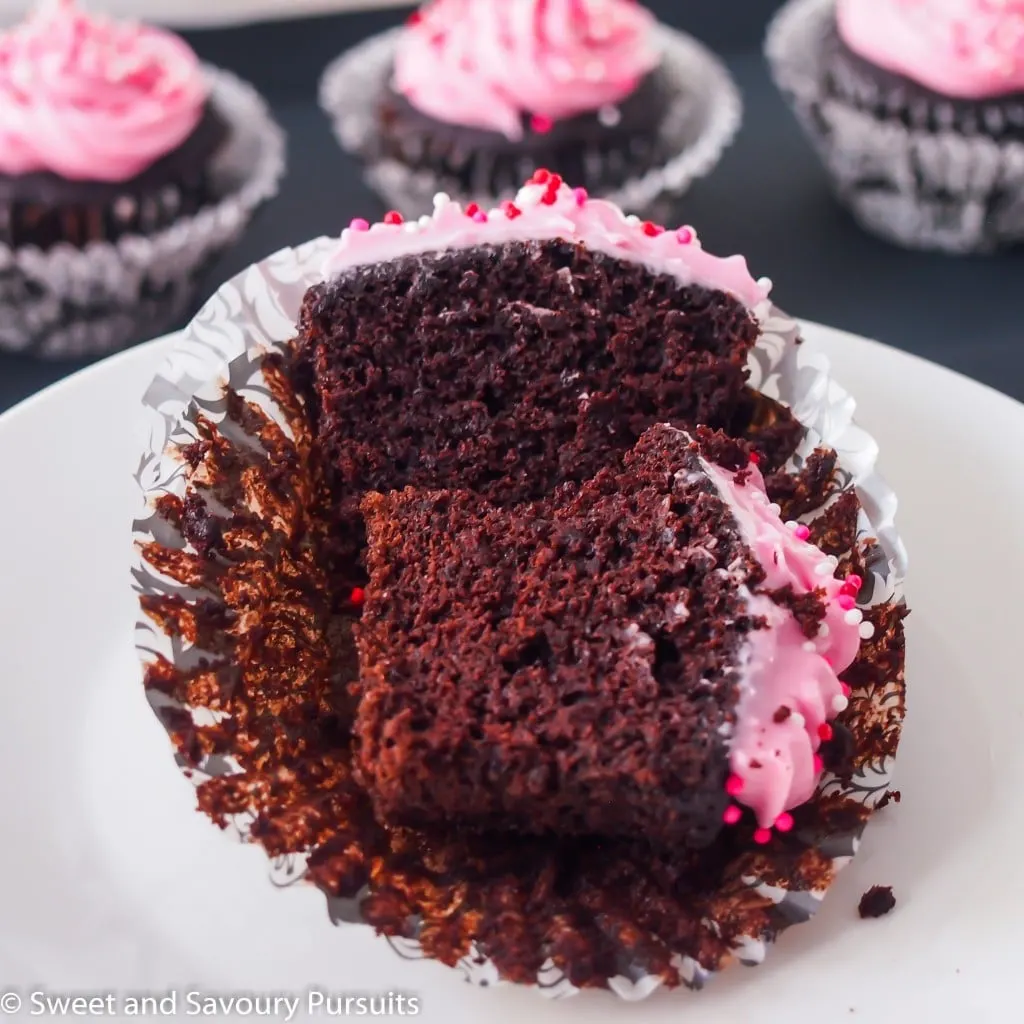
x: 112, y: 134
x: 471, y: 96
x: 918, y: 110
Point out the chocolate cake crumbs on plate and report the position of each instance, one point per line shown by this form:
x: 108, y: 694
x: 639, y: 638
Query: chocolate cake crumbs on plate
x: 876, y: 902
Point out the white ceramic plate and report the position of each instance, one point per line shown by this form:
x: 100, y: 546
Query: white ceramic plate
x: 110, y: 882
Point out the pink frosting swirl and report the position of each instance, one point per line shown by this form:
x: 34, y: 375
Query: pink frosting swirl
x: 91, y: 99
x: 486, y: 63
x: 966, y: 49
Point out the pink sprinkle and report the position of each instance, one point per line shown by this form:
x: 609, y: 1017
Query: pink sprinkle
x: 819, y: 765
x: 360, y: 224
x: 784, y: 822
x: 854, y: 582
x: 541, y: 124
x: 581, y: 195
x: 732, y: 815
x: 734, y: 785
x: 480, y: 217
x: 685, y: 235
x: 846, y: 602
x: 802, y: 532
x: 846, y: 689
x: 762, y: 836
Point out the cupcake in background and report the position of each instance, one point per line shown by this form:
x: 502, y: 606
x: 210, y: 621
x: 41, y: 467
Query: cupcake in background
x: 917, y: 108
x: 471, y: 96
x: 125, y: 167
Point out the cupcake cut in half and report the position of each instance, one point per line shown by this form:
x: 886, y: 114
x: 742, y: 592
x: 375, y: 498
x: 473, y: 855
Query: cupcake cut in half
x: 476, y: 94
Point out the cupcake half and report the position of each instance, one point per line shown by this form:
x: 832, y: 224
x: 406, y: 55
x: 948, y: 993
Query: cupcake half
x: 125, y: 166
x: 472, y: 96
x: 917, y: 108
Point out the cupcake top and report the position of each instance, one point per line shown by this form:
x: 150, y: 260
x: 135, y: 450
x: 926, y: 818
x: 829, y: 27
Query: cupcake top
x: 493, y: 64
x: 91, y: 99
x: 544, y: 209
x: 966, y: 49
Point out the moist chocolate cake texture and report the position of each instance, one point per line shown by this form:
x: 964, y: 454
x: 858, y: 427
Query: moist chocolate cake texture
x: 475, y: 409
x: 569, y: 667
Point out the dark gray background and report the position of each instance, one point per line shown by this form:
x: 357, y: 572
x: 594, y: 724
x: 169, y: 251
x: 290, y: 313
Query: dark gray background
x: 768, y: 199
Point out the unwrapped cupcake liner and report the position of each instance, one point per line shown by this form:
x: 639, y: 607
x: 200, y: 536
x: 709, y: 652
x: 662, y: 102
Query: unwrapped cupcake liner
x: 914, y: 186
x: 227, y: 345
x: 68, y: 302
x: 352, y: 82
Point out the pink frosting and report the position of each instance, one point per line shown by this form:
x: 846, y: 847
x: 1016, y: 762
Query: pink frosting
x: 486, y: 63
x: 91, y: 99
x: 543, y: 211
x: 968, y: 49
x: 775, y: 760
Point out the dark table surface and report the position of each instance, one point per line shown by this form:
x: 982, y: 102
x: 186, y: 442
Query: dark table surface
x: 768, y: 199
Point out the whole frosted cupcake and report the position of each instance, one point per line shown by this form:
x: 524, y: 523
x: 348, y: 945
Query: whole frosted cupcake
x: 917, y: 107
x: 473, y: 95
x: 121, y: 173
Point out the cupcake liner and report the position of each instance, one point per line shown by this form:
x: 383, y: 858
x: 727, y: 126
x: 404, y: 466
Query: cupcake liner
x: 350, y: 84
x: 69, y: 301
x: 918, y: 187
x: 189, y: 412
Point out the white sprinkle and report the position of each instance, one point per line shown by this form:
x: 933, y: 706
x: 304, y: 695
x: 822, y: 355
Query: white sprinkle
x: 823, y: 630
x: 774, y: 509
x: 633, y: 220
x: 765, y: 284
x: 798, y: 720
x: 867, y: 630
x: 441, y: 200
x: 760, y: 497
x: 810, y: 647
x: 609, y: 116
x: 839, y: 704
x: 823, y: 568
x: 833, y: 562
x: 411, y: 226
x: 425, y: 221
x: 853, y: 617
x: 791, y: 524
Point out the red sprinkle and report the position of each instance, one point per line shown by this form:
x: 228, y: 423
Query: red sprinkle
x: 540, y: 177
x: 541, y: 124
x: 819, y: 764
x: 854, y: 582
x: 415, y: 18
x: 473, y: 209
x: 734, y: 785
x: 357, y: 597
x: 755, y: 459
x: 511, y: 210
x: 762, y: 836
x: 651, y: 229
x: 732, y: 815
x: 393, y: 217
x: 825, y: 732
x: 846, y: 689
x: 784, y: 822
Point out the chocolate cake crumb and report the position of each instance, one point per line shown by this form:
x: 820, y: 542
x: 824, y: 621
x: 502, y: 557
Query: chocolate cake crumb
x: 891, y: 796
x: 876, y: 902
x: 782, y: 714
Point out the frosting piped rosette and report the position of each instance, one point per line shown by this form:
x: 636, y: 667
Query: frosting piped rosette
x: 491, y: 63
x: 969, y: 49
x: 88, y: 98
